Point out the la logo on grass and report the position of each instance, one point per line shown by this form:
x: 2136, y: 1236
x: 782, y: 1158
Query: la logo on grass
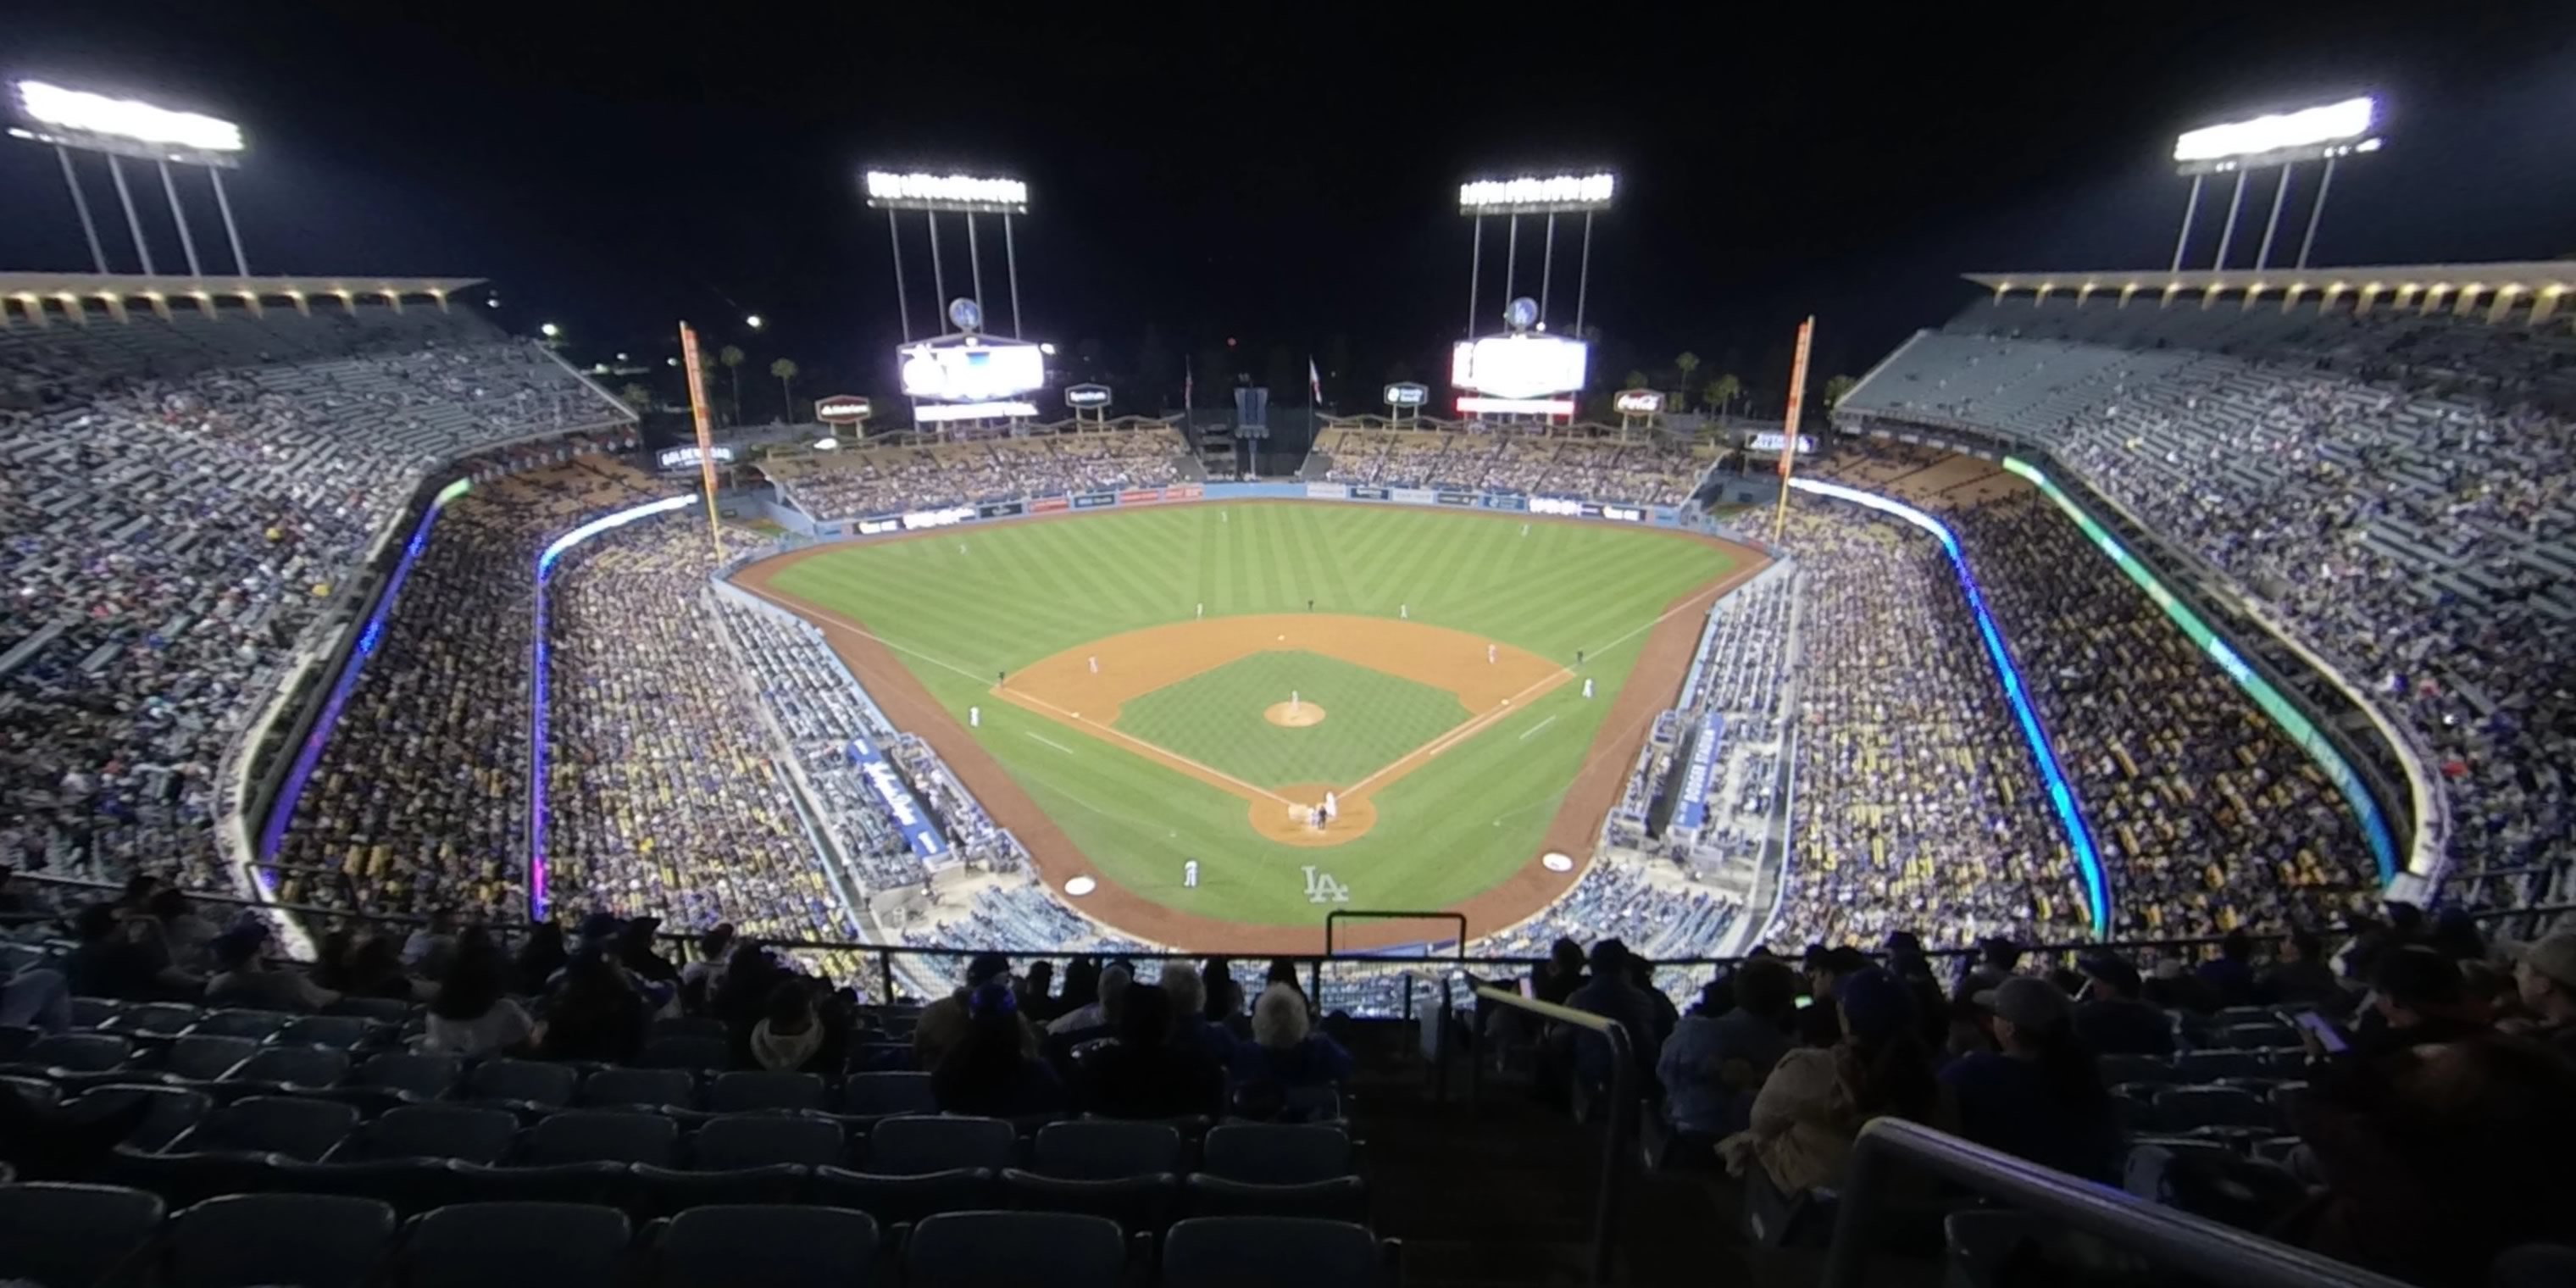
x: 1322, y: 888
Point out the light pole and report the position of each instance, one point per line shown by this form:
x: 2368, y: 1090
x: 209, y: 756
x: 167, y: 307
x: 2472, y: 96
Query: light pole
x: 2280, y: 141
x: 122, y: 129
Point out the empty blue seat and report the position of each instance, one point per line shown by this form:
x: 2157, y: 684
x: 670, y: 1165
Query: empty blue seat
x: 515, y: 1245
x: 204, y: 1057
x: 256, y: 1025
x: 2210, y: 1066
x: 1277, y: 1154
x: 2152, y: 1070
x: 174, y: 1110
x: 888, y: 1093
x: 630, y: 1086
x: 341, y: 1032
x: 77, y: 1052
x: 308, y: 1240
x: 685, y: 1052
x: 379, y: 1010
x: 305, y: 1129
x: 153, y: 1019
x: 1343, y: 1198
x: 764, y: 1089
x: 689, y: 1026
x: 1140, y: 1204
x: 2189, y: 1108
x: 465, y: 1132
x: 410, y: 1186
x: 770, y: 1245
x: 601, y: 1135
x: 1270, y: 1252
x: 426, y: 1077
x: 529, y: 1081
x: 764, y: 1139
x: 292, y: 1067
x: 911, y: 1146
x: 1100, y: 1150
x: 71, y: 1236
x: 1011, y: 1249
x: 892, y: 1199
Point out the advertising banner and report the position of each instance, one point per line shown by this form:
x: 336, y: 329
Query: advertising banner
x: 1047, y: 503
x: 1094, y: 500
x: 874, y: 527
x: 1690, y: 811
x: 1457, y: 498
x: 1368, y: 493
x: 1000, y: 509
x: 1185, y: 492
x: 1410, y: 495
x: 942, y: 518
x: 1623, y: 513
x: 1504, y: 501
x: 909, y: 818
x: 1328, y: 491
x: 1141, y: 496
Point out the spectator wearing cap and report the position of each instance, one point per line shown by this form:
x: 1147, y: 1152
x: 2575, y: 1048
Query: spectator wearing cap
x: 1719, y: 1054
x: 1612, y: 994
x: 1827, y: 967
x: 2115, y: 1018
x: 1816, y: 1100
x: 2299, y: 975
x: 123, y: 958
x: 988, y: 1069
x: 943, y: 1023
x: 2038, y: 1095
x: 594, y: 1013
x: 243, y: 976
x: 2544, y: 975
x: 2417, y: 999
x: 471, y: 1015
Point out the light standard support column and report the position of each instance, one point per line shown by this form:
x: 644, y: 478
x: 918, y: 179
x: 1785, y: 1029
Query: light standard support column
x: 2281, y: 190
x: 1011, y: 259
x: 97, y: 255
x: 902, y: 302
x: 1546, y: 265
x: 938, y: 275
x: 1511, y: 257
x: 1475, y: 269
x: 187, y: 241
x: 125, y: 197
x: 1583, y: 277
x: 2189, y: 209
x: 2228, y: 234
x: 232, y: 234
x: 974, y: 259
x: 2325, y: 183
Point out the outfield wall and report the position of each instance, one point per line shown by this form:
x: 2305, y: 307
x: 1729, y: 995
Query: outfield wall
x: 876, y: 525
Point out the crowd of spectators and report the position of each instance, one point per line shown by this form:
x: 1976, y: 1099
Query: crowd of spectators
x: 1650, y: 470
x: 887, y: 480
x: 183, y: 503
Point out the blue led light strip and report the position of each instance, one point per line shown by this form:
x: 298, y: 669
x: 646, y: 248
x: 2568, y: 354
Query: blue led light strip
x: 2079, y: 838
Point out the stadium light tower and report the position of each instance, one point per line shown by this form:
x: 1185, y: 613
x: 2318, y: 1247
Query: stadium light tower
x: 2325, y: 133
x: 70, y: 119
x: 1550, y: 195
x: 937, y: 194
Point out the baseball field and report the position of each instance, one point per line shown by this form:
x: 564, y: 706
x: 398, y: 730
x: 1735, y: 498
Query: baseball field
x: 1135, y: 690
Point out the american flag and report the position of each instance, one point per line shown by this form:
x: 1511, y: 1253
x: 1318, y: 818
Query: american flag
x: 1314, y: 383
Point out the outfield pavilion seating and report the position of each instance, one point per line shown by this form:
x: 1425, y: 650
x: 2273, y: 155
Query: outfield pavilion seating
x: 2392, y: 487
x: 1587, y: 462
x: 873, y: 480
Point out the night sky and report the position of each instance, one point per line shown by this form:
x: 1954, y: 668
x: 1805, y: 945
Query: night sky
x: 1287, y: 177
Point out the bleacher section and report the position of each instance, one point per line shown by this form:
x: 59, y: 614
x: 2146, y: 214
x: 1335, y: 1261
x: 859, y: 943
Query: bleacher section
x: 854, y: 482
x: 1584, y: 462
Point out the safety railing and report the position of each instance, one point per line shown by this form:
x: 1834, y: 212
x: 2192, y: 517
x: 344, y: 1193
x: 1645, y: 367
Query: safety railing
x: 1621, y: 1118
x: 2175, y: 1240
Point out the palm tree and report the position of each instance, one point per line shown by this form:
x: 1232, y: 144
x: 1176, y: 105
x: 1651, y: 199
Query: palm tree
x: 1688, y: 363
x: 785, y: 370
x: 1835, y: 388
x: 1724, y: 390
x: 637, y: 397
x: 786, y: 387
x: 1635, y: 380
x: 731, y: 357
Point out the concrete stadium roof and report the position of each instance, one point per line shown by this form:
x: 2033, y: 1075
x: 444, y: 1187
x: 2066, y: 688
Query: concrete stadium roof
x: 123, y: 286
x: 2424, y: 288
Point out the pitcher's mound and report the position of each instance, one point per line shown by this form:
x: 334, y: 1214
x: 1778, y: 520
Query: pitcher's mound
x: 1295, y: 716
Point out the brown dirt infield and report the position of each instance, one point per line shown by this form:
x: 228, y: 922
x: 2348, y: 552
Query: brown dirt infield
x: 1574, y: 828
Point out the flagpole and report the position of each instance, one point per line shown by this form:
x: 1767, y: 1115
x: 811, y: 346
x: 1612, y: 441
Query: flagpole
x: 1789, y: 427
x: 706, y: 450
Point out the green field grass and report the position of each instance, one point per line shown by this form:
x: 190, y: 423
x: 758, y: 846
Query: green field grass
x: 1371, y: 718
x: 961, y: 606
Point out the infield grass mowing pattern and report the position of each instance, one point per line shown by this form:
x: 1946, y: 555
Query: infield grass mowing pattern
x: 1019, y: 592
x: 1215, y: 718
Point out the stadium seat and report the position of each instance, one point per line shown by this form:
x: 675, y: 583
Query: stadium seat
x: 1011, y: 1249
x: 893, y: 1199
x: 621, y: 1086
x: 601, y: 1182
x: 305, y: 1129
x: 1277, y: 1154
x: 256, y: 1025
x: 2133, y: 1069
x: 378, y: 1010
x: 521, y: 1082
x: 339, y: 1032
x: 288, y: 1068
x: 410, y: 1186
x: 870, y: 1094
x: 1344, y: 1198
x: 204, y: 1057
x: 14, y: 1041
x: 466, y: 1133
x: 1270, y: 1252
x: 759, y: 1140
x: 600, y: 1135
x: 1102, y: 1150
x: 420, y: 1077
x: 159, y: 1020
x: 72, y: 1236
x: 689, y: 1026
x: 76, y: 1052
x: 749, y: 1090
x: 2210, y: 1066
x: 769, y: 1245
x: 912, y: 1146
x: 307, y: 1240
x: 2255, y: 1037
x: 685, y: 1052
x: 2191, y: 1108
x: 174, y: 1110
x: 36, y: 1091
x: 515, y: 1245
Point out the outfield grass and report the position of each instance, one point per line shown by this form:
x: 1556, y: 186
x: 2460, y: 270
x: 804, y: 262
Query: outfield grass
x: 961, y: 606
x: 1216, y: 719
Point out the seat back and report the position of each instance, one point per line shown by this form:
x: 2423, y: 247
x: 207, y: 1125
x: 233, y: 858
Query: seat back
x: 761, y: 1140
x: 341, y: 1032
x: 515, y: 1245
x: 1008, y: 1249
x: 550, y: 1085
x: 1100, y: 1150
x: 79, y: 1052
x: 465, y: 1132
x: 300, y: 1129
x: 174, y: 1110
x: 625, y: 1085
x: 772, y: 1245
x: 71, y: 1236
x: 255, y: 1025
x: 764, y: 1089
x: 601, y: 1135
x: 685, y: 1052
x: 888, y: 1093
x: 309, y: 1240
x: 293, y: 1066
x: 425, y: 1076
x: 909, y: 1146
x: 1268, y: 1252
x: 204, y: 1057
x: 1276, y: 1153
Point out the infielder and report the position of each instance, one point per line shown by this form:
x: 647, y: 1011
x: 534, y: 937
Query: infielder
x: 1489, y: 653
x: 1095, y: 664
x: 1190, y: 875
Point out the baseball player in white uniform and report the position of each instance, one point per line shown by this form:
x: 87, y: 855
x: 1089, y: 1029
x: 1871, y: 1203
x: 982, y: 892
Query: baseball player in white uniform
x: 1190, y: 875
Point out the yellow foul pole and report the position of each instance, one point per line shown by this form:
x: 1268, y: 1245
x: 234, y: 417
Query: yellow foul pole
x: 706, y: 446
x: 1789, y: 426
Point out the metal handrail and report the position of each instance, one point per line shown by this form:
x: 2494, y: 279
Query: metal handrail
x: 2173, y: 1238
x: 1315, y: 973
x: 1623, y: 1109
